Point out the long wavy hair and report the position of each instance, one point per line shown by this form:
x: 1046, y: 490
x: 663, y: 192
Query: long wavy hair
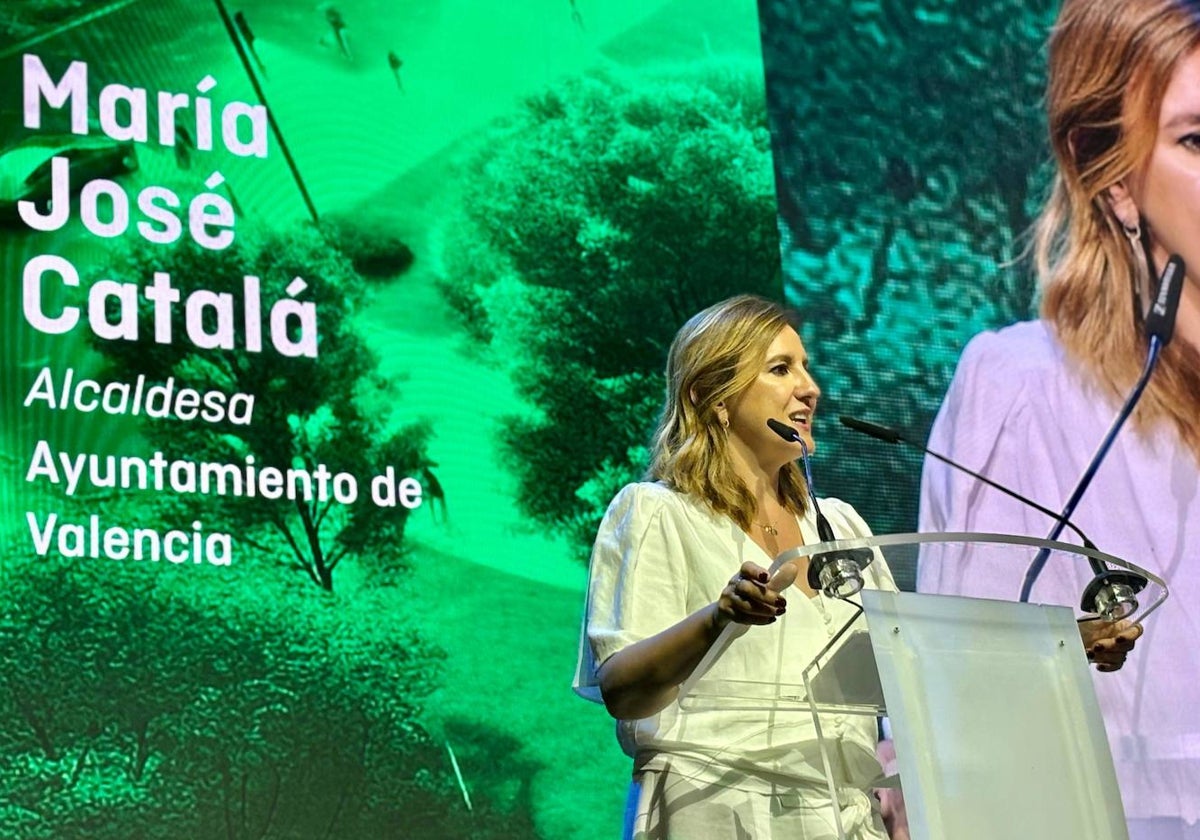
x: 1110, y: 62
x: 714, y: 358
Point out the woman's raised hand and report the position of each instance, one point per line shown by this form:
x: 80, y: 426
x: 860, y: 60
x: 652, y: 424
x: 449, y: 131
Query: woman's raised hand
x: 747, y: 599
x: 1108, y: 643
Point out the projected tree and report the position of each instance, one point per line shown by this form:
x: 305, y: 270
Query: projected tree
x: 332, y: 411
x: 230, y: 705
x: 596, y: 222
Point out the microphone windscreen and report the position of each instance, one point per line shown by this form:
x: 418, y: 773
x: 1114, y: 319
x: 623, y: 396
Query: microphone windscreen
x: 783, y: 430
x: 873, y: 429
x: 1160, y: 320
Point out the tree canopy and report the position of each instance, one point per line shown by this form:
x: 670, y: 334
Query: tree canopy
x: 332, y: 410
x: 166, y: 702
x: 595, y: 222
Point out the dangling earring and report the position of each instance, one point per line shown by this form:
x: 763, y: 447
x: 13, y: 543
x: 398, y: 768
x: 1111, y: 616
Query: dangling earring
x: 722, y: 415
x: 1134, y: 234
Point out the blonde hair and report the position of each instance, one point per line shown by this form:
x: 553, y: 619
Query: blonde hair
x: 714, y: 358
x: 1109, y: 66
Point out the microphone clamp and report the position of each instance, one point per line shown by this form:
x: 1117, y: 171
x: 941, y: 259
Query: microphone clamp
x: 838, y: 574
x: 835, y: 574
x: 1112, y: 594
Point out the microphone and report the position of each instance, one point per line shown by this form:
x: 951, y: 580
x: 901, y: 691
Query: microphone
x: 837, y: 574
x: 890, y: 435
x: 1096, y: 598
x: 1112, y: 593
x: 1160, y: 320
x: 785, y: 431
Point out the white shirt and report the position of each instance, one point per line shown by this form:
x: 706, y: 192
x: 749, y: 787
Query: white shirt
x: 1020, y: 412
x: 660, y: 556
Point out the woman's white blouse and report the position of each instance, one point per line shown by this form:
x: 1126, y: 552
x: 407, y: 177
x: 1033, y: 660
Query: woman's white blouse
x: 660, y: 556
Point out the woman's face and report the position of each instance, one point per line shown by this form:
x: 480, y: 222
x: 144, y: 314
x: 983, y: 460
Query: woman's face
x: 1167, y: 190
x: 783, y: 390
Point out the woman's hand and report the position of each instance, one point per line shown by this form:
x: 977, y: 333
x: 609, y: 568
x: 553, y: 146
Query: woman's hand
x: 1108, y: 643
x: 747, y: 599
x: 641, y: 679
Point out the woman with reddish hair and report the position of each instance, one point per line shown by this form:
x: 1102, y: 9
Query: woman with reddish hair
x: 1029, y: 404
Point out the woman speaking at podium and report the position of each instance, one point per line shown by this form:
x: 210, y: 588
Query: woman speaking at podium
x: 723, y: 497
x: 1030, y: 403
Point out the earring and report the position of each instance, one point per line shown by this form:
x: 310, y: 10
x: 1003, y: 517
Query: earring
x: 725, y: 422
x: 1134, y: 234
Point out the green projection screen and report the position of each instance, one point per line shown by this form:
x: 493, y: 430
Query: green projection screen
x: 329, y: 332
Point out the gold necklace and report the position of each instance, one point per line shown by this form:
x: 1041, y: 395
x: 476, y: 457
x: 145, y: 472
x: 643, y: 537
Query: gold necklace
x: 770, y: 529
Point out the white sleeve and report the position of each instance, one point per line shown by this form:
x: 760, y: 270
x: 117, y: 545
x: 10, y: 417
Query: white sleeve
x: 997, y: 419
x: 637, y: 581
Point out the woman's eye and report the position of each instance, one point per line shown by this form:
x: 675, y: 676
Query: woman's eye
x: 1190, y: 141
x: 779, y: 369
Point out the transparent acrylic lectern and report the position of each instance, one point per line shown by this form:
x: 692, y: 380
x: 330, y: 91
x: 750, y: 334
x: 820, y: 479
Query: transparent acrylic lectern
x: 991, y: 704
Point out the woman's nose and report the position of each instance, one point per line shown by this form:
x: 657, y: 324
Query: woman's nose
x: 806, y: 386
